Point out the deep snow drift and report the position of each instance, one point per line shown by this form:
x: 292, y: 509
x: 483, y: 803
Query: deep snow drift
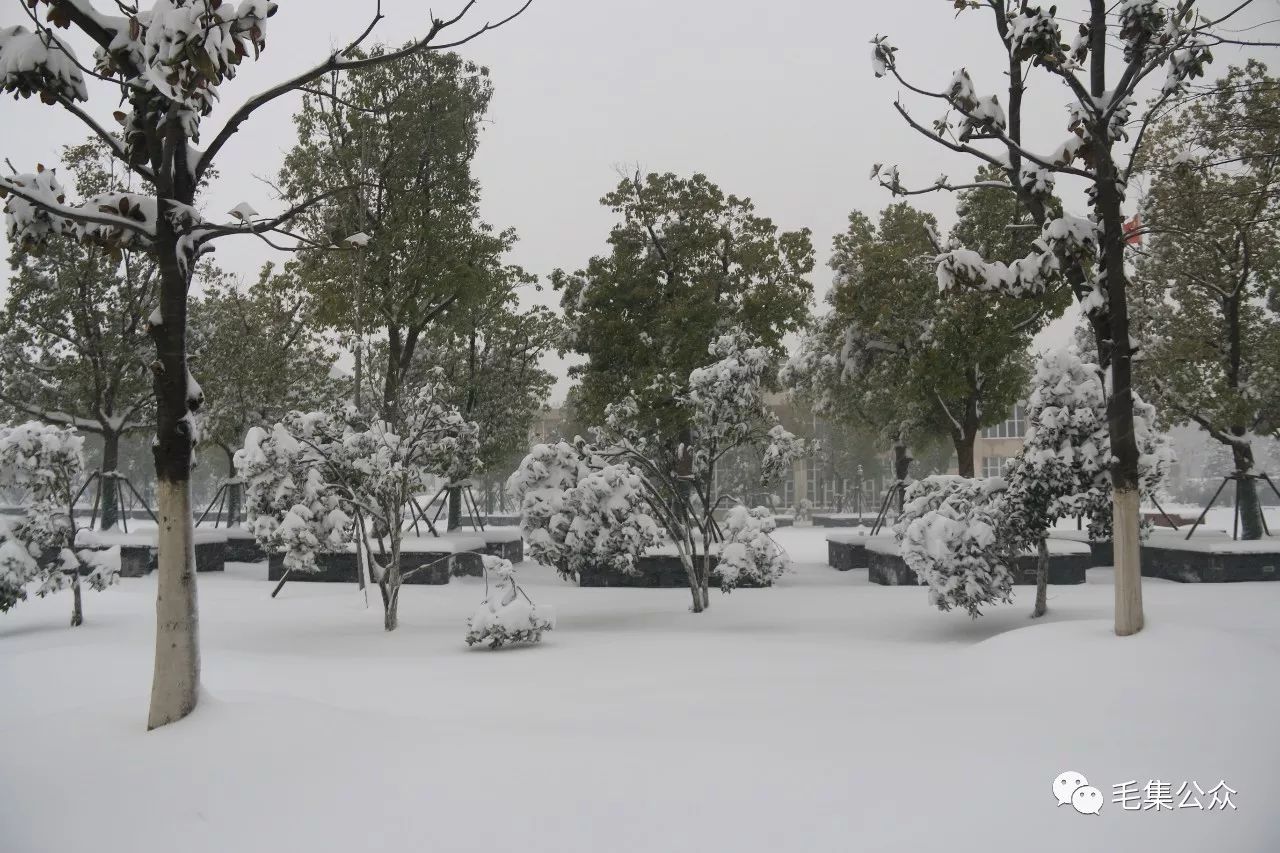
x: 824, y: 714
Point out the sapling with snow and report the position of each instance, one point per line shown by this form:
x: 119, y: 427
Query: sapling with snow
x: 321, y: 481
x: 45, y: 464
x: 602, y: 504
x: 507, y: 614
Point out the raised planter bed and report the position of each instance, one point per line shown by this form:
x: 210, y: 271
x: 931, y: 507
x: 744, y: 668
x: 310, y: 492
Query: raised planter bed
x: 1068, y: 563
x: 657, y: 571
x: 138, y: 550
x: 457, y: 553
x: 848, y: 550
x: 242, y: 547
x: 1210, y: 557
x: 1100, y: 551
x: 341, y: 568
x: 842, y: 519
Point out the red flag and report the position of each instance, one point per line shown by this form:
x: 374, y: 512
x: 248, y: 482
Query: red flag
x: 1133, y: 232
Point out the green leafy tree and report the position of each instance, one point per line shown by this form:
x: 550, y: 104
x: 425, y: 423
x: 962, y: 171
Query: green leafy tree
x: 392, y: 147
x: 1212, y: 256
x: 948, y: 362
x: 686, y: 263
x: 260, y: 354
x: 73, y: 351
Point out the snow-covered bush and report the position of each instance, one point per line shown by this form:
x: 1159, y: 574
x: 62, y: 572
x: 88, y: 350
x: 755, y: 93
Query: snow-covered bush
x: 578, y: 510
x: 45, y: 464
x: 1063, y: 469
x: 507, y: 614
x: 291, y: 506
x: 949, y: 535
x: 748, y: 554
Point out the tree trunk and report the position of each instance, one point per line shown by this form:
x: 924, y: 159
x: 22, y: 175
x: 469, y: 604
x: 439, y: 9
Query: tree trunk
x: 77, y: 613
x: 391, y: 587
x: 964, y: 453
x: 705, y: 580
x: 691, y: 572
x: 234, y: 489
x: 1107, y: 200
x: 175, y: 685
x: 1042, y: 578
x: 901, y: 467
x: 455, y: 507
x: 1247, y: 503
x: 107, y: 486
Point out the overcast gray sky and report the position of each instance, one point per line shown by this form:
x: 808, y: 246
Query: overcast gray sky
x: 772, y: 100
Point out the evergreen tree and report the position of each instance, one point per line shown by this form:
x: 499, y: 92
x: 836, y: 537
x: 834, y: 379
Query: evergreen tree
x: 390, y: 149
x: 686, y: 263
x: 1211, y: 256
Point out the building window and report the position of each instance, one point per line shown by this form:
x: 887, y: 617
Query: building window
x: 1014, y: 427
x: 993, y: 466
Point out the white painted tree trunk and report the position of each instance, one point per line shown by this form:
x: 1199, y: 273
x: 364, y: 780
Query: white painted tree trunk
x: 1128, y: 562
x: 175, y: 686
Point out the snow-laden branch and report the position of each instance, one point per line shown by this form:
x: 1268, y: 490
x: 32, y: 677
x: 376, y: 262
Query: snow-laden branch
x: 38, y: 208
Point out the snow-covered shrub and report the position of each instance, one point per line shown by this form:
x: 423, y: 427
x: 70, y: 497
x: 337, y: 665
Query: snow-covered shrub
x: 949, y: 535
x: 291, y: 506
x: 45, y: 464
x: 507, y: 614
x: 1063, y: 469
x: 578, y: 510
x: 748, y: 554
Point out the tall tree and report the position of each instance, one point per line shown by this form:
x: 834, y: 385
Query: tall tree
x: 73, y: 349
x: 1211, y: 256
x: 1116, y: 49
x: 260, y: 354
x: 392, y: 146
x: 686, y: 263
x: 956, y: 361
x: 165, y: 65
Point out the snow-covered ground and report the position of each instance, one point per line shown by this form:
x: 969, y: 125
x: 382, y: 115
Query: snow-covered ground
x: 825, y: 714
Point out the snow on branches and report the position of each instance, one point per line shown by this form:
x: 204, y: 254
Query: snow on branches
x: 726, y: 402
x: 950, y: 537
x: 45, y: 464
x: 37, y: 64
x: 1067, y: 239
x: 507, y: 614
